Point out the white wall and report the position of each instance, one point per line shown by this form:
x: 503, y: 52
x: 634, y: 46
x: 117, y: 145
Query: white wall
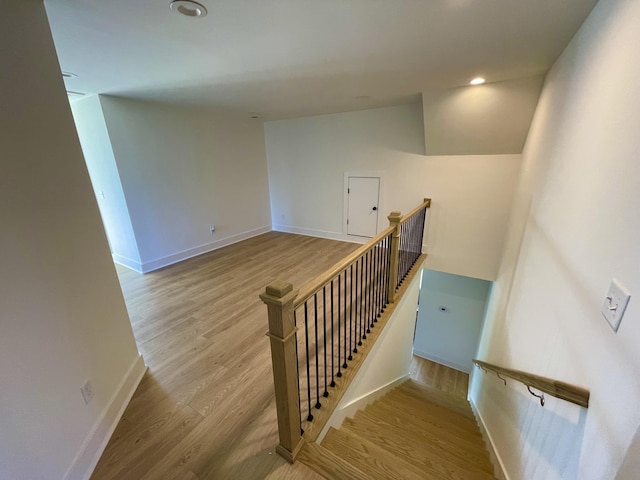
x: 575, y: 226
x: 450, y: 337
x: 62, y: 316
x: 308, y: 158
x: 96, y: 147
x: 484, y: 119
x: 183, y: 169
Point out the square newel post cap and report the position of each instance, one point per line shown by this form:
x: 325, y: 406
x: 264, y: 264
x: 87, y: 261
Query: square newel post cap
x: 394, y: 217
x: 279, y: 293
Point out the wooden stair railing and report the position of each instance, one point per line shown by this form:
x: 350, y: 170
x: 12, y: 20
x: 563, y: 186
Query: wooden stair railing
x: 556, y: 388
x: 354, y: 298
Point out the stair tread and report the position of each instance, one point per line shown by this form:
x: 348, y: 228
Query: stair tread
x: 465, y: 438
x: 371, y: 459
x: 430, y: 444
x: 413, y: 450
x: 368, y: 457
x: 328, y: 464
x: 430, y: 412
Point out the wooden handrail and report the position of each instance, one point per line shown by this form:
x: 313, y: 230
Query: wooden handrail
x: 556, y: 388
x: 314, y: 285
x: 425, y: 204
x: 283, y: 300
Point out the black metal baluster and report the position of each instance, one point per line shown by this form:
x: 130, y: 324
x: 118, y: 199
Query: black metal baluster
x: 366, y: 295
x: 333, y: 356
x: 295, y: 324
x: 372, y: 312
x: 374, y: 303
x: 339, y: 374
x: 403, y: 241
x: 381, y: 281
x: 407, y: 253
x: 363, y: 334
x: 421, y: 227
x: 357, y: 327
x: 403, y: 256
x: 385, y: 281
x: 344, y: 316
x: 412, y: 239
x: 306, y: 339
x: 350, y: 310
x: 374, y: 287
x: 399, y: 259
x: 315, y: 323
x: 389, y: 240
x: 324, y: 336
x: 414, y: 236
x: 418, y: 237
x: 409, y: 247
x: 378, y: 277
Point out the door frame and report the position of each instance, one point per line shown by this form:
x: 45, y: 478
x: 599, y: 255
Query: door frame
x: 382, y: 219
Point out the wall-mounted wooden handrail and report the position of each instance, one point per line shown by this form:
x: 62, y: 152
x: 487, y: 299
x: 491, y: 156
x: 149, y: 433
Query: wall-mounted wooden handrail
x: 556, y: 388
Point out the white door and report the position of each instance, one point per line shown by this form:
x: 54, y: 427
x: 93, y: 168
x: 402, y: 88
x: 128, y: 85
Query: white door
x: 362, y: 212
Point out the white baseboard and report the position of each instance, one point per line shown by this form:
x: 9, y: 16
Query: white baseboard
x: 92, y: 448
x: 443, y: 361
x: 127, y: 262
x: 207, y: 247
x: 320, y: 234
x: 498, y: 465
x: 357, y: 404
x: 310, y: 232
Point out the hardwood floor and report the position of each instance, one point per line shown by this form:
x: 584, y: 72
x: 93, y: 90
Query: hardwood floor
x: 439, y: 377
x: 205, y: 409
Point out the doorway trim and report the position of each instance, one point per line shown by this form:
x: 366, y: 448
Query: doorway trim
x: 382, y: 219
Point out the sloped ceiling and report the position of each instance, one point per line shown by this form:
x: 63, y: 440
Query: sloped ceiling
x: 486, y: 119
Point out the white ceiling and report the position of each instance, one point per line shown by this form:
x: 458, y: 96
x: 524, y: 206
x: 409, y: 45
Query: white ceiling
x: 289, y: 58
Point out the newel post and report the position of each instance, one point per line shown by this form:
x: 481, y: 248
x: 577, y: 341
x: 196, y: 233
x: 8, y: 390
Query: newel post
x: 394, y: 221
x: 279, y: 298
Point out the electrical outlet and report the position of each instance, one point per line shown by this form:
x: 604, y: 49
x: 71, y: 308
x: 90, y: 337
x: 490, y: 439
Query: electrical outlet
x: 212, y: 229
x: 87, y: 392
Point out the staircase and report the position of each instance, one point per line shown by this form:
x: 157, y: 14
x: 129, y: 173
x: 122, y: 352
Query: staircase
x: 413, y: 432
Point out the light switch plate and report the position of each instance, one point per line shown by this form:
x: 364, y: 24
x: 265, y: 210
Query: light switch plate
x: 615, y: 304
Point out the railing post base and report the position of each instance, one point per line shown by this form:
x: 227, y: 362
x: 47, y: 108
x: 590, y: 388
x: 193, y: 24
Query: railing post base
x: 286, y: 454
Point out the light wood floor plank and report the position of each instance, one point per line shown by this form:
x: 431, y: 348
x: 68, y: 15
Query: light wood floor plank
x: 205, y: 409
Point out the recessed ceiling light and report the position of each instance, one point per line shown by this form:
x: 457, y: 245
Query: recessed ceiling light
x: 477, y: 81
x: 68, y: 74
x: 188, y: 8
